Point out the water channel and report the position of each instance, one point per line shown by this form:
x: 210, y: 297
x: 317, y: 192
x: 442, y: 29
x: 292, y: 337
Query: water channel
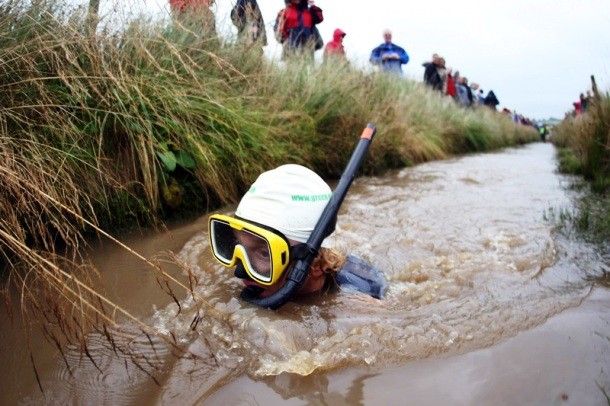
x: 487, y: 304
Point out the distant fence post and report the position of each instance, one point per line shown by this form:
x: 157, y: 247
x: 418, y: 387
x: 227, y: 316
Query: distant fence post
x: 594, y: 87
x: 92, y: 16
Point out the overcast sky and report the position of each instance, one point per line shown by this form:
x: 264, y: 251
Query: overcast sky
x: 536, y: 55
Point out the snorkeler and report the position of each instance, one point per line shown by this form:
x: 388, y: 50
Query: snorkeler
x: 274, y: 240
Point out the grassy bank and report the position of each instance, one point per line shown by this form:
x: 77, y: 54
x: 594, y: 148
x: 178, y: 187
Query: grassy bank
x: 584, y: 149
x: 103, y: 131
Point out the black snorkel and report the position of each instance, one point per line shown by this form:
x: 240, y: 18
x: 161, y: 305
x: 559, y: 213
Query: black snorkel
x: 324, y: 227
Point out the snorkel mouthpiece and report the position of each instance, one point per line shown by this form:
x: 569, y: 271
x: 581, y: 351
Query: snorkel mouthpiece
x: 251, y: 292
x: 324, y: 227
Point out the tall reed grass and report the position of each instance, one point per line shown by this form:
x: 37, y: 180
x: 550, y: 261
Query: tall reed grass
x: 108, y: 129
x: 584, y: 149
x: 586, y: 139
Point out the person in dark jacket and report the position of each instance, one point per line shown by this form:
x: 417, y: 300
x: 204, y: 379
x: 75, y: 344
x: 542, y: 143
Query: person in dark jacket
x: 491, y: 100
x: 389, y: 56
x: 247, y: 17
x: 432, y: 77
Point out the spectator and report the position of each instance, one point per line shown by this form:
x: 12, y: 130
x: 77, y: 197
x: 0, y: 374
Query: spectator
x: 481, y: 98
x: 450, y: 89
x: 182, y: 6
x: 583, y: 103
x: 474, y: 87
x: 247, y: 17
x: 577, y: 108
x: 442, y: 72
x: 491, y: 100
x: 389, y: 56
x: 589, y: 98
x: 196, y: 14
x: 432, y: 77
x: 295, y: 25
x: 515, y: 117
x: 464, y: 92
x: 334, y: 49
x: 544, y: 132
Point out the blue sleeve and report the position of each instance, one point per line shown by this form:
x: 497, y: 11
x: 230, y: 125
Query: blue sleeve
x: 360, y: 276
x: 404, y: 56
x: 376, y: 56
x: 460, y: 91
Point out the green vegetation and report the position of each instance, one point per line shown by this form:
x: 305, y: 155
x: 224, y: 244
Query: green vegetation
x: 584, y: 149
x: 104, y: 131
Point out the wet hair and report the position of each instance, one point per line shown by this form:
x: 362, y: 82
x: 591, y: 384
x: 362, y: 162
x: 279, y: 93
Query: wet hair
x: 330, y: 261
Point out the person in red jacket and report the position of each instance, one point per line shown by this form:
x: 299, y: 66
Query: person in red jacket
x: 450, y: 89
x: 334, y: 49
x: 295, y: 25
x: 195, y: 13
x: 180, y: 6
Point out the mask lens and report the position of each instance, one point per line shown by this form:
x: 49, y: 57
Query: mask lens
x: 253, y: 249
x: 223, y: 241
x: 258, y: 254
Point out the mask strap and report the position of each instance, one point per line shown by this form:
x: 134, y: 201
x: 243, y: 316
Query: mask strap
x: 301, y: 251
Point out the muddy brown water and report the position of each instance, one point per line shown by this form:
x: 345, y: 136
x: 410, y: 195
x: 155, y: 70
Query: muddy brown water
x: 487, y: 304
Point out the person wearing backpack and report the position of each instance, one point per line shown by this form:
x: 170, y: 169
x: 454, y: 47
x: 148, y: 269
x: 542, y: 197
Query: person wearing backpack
x: 247, y: 18
x: 295, y: 27
x: 195, y: 15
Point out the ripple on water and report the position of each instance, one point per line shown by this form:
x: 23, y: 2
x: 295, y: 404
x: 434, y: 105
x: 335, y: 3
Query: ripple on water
x: 118, y: 373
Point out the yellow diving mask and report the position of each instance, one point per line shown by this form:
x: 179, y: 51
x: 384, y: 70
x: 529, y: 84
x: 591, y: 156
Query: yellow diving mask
x: 265, y: 253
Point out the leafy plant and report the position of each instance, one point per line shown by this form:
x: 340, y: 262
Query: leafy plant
x: 171, y: 156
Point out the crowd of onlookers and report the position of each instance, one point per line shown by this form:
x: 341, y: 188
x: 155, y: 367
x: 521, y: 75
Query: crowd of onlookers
x: 581, y: 106
x: 441, y: 78
x: 295, y: 28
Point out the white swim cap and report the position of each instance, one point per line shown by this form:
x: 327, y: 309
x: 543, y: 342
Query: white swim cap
x: 290, y: 199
